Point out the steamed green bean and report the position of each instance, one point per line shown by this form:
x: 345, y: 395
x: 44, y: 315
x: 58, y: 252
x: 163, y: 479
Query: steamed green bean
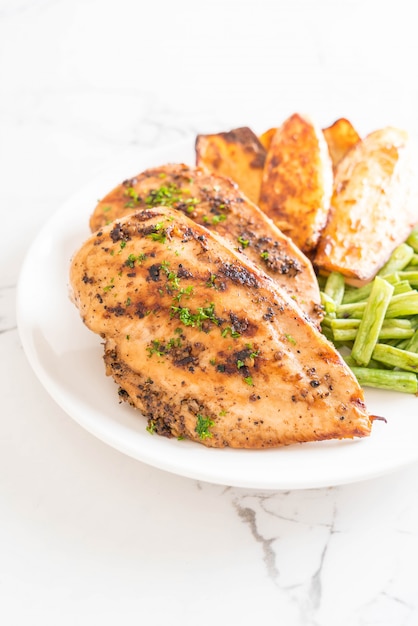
x: 377, y: 323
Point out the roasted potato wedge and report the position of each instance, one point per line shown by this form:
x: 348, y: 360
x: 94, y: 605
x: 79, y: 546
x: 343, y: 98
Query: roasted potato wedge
x: 297, y: 179
x: 266, y: 137
x: 373, y: 207
x: 237, y: 154
x: 340, y: 137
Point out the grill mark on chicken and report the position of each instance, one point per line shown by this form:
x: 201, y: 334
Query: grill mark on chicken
x: 234, y: 366
x: 216, y: 203
x: 117, y: 234
x: 238, y: 274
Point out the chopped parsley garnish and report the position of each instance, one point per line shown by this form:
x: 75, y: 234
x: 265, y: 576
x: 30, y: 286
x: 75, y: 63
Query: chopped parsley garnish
x: 228, y: 330
x: 244, y: 242
x: 191, y: 202
x: 160, y: 348
x: 172, y: 277
x: 159, y: 233
x: 151, y: 428
x: 197, y: 319
x: 135, y: 199
x: 291, y: 339
x: 156, y: 347
x: 253, y: 353
x: 110, y: 285
x: 249, y: 380
x: 211, y: 281
x: 132, y: 259
x: 202, y: 426
x: 184, y: 291
x: 264, y: 255
x: 166, y: 195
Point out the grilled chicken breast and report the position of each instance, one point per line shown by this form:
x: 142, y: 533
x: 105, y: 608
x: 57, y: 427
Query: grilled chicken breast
x: 205, y: 344
x: 217, y: 203
x: 373, y: 207
x: 297, y: 181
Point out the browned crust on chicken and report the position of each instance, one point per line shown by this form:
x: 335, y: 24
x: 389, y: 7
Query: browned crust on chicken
x: 206, y: 345
x: 217, y: 203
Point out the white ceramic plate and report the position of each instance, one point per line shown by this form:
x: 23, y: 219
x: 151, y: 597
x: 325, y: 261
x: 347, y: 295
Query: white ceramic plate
x: 68, y: 361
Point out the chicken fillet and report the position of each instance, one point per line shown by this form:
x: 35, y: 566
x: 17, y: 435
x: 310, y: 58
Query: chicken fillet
x: 205, y: 345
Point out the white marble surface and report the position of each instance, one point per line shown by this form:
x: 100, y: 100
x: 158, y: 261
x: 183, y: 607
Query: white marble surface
x: 88, y: 535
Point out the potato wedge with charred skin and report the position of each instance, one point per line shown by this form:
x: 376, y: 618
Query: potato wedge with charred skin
x: 373, y: 207
x: 237, y: 154
x: 297, y: 181
x: 341, y: 136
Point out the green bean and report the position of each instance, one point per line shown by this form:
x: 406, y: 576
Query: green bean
x: 328, y: 304
x: 335, y: 286
x: 414, y: 321
x: 403, y: 304
x: 392, y: 278
x: 406, y: 382
x: 390, y: 355
x: 410, y: 276
x: 399, y: 259
x: 321, y: 281
x: 403, y: 286
x: 354, y: 309
x: 396, y: 330
x: 375, y: 326
x: 362, y: 293
x: 386, y: 334
x: 357, y: 295
x: 412, y: 263
x: 348, y: 332
x: 412, y: 345
x: 372, y: 320
x: 402, y: 344
x: 413, y: 239
x: 344, y: 335
x: 372, y: 363
x: 326, y: 321
x: 341, y: 323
